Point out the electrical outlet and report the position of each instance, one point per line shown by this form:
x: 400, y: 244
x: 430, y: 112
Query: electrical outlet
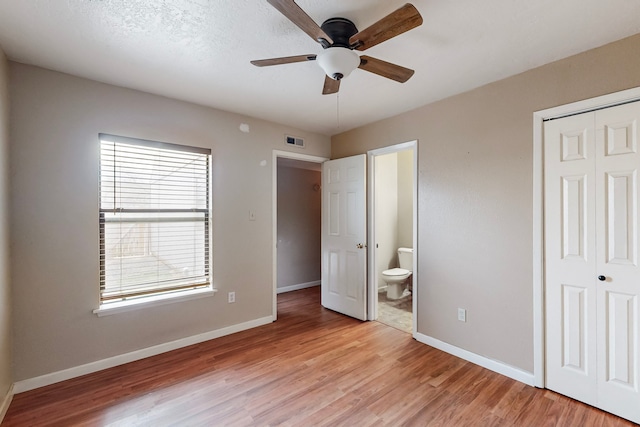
x: 232, y: 297
x: 462, y: 315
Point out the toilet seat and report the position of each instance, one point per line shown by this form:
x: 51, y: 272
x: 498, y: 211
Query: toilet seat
x: 396, y: 272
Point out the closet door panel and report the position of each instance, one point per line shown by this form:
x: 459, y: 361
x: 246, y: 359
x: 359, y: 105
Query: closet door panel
x: 570, y: 257
x: 617, y: 189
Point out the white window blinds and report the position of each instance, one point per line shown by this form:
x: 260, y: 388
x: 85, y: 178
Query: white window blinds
x: 154, y: 218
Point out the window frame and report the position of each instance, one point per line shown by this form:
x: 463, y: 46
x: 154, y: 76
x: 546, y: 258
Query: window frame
x: 158, y: 294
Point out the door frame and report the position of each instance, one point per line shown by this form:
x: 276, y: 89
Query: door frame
x: 274, y: 216
x: 372, y: 290
x: 539, y: 117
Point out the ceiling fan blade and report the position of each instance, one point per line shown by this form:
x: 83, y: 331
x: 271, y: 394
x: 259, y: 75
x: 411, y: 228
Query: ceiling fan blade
x: 291, y: 10
x: 385, y: 69
x: 330, y: 86
x: 394, y: 24
x: 283, y: 60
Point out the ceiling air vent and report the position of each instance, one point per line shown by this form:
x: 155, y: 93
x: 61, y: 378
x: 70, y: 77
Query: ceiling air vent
x: 294, y: 140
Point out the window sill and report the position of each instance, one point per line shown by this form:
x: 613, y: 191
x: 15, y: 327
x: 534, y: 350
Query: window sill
x: 123, y: 306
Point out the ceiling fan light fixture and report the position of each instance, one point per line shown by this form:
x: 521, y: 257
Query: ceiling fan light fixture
x: 338, y: 62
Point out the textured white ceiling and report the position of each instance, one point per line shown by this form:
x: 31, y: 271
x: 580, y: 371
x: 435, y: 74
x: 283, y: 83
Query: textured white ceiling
x: 199, y: 50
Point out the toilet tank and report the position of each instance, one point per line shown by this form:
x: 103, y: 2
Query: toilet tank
x: 405, y: 258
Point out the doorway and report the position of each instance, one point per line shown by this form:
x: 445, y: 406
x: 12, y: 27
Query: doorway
x: 392, y: 230
x: 296, y: 222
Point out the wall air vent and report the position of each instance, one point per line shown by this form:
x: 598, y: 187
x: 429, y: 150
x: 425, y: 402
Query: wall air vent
x: 294, y: 140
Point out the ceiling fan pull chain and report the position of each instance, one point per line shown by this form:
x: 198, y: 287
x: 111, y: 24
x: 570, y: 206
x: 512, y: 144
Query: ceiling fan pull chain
x: 338, y: 109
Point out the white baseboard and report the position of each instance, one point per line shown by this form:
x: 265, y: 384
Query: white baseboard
x: 491, y: 364
x: 298, y: 287
x: 4, y: 407
x: 54, y: 377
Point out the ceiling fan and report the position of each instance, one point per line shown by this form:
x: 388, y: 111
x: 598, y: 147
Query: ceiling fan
x: 339, y: 37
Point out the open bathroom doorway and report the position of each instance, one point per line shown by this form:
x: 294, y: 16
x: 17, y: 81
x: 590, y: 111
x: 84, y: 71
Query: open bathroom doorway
x: 297, y: 180
x: 393, y: 285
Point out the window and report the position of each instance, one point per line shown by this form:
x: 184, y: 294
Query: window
x: 154, y: 219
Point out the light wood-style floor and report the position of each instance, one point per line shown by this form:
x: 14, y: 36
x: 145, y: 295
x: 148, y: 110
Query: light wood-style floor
x: 312, y: 367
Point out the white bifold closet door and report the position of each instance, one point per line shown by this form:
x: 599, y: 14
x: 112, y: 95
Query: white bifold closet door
x: 592, y: 277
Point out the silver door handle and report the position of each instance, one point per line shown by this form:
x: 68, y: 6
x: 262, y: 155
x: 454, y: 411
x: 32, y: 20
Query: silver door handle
x: 360, y: 246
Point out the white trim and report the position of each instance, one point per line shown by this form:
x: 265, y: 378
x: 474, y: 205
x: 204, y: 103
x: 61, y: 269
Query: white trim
x: 372, y: 284
x: 394, y: 148
x: 538, y: 254
x: 6, y: 401
x: 491, y: 364
x: 54, y: 377
x: 585, y: 105
x: 298, y: 156
x: 274, y: 214
x: 538, y: 210
x: 153, y: 301
x: 297, y: 287
x: 372, y: 277
x: 415, y: 282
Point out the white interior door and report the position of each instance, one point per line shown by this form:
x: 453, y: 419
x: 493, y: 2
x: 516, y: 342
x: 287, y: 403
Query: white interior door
x: 344, y: 234
x: 592, y: 282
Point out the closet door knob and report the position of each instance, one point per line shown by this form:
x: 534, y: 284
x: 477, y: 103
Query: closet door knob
x: 602, y: 278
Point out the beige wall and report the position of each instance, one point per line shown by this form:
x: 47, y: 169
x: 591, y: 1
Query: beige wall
x: 5, y: 305
x: 56, y: 119
x: 405, y: 199
x: 475, y: 195
x: 386, y: 187
x: 299, y: 222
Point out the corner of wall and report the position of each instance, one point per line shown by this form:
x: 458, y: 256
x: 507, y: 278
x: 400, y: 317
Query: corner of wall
x: 5, y: 403
x: 6, y: 381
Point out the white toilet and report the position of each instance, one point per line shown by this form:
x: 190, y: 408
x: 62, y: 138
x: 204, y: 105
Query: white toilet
x: 396, y: 278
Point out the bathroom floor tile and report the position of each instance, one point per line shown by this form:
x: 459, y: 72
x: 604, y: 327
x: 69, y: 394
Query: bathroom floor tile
x: 396, y: 313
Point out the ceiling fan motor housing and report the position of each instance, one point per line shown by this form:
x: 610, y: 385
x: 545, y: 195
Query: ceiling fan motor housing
x: 340, y: 30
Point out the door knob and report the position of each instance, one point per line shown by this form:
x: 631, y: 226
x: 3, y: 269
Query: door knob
x: 360, y: 246
x: 602, y: 278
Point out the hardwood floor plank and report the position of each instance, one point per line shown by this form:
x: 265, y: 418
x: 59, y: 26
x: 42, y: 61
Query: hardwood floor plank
x: 313, y: 367
x: 515, y: 400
